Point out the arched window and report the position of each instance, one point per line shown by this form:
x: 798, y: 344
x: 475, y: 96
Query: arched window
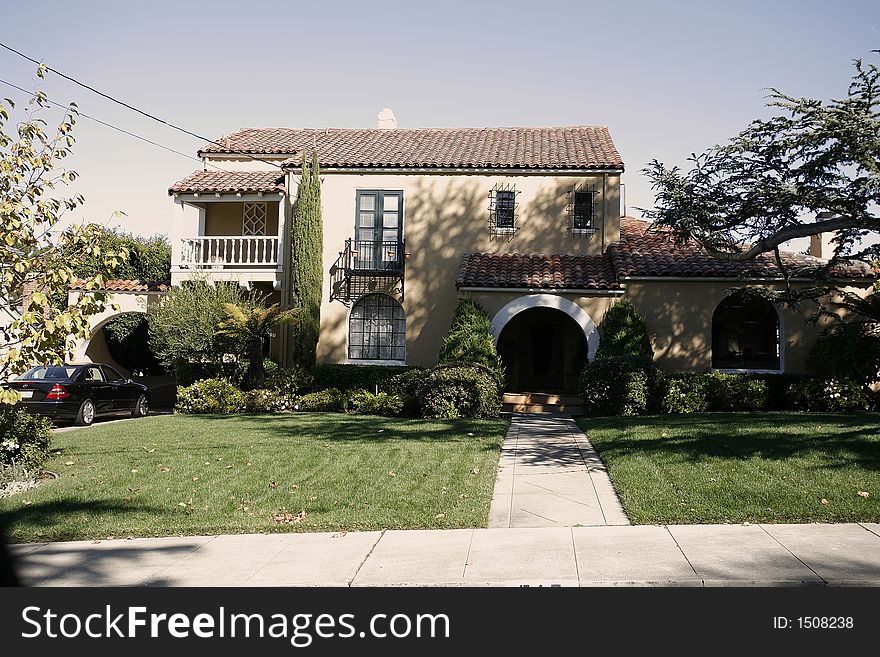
x: 377, y: 329
x: 746, y: 334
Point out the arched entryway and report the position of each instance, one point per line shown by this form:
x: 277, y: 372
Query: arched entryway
x: 543, y: 350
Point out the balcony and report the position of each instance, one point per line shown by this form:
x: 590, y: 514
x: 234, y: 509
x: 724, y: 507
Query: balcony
x: 229, y: 251
x: 368, y: 266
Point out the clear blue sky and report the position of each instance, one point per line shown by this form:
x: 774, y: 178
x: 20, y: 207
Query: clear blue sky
x: 668, y: 78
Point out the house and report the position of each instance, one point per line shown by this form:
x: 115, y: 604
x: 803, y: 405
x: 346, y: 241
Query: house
x: 525, y: 221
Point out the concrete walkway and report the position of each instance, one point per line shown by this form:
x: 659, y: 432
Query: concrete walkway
x: 550, y: 476
x: 644, y: 555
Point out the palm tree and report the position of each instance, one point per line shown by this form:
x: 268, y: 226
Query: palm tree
x: 250, y: 326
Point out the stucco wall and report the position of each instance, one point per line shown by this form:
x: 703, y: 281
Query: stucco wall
x: 446, y: 216
x: 227, y: 218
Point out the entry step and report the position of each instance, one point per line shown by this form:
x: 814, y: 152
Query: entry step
x: 541, y: 402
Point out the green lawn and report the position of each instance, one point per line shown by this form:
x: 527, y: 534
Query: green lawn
x: 728, y: 467
x: 195, y: 475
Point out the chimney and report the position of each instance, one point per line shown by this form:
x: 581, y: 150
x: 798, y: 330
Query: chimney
x: 386, y: 120
x: 821, y: 245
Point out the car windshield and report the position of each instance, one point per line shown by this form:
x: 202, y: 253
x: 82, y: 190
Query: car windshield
x: 48, y: 373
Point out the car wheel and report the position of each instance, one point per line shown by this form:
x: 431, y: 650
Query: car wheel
x: 141, y: 407
x: 86, y: 413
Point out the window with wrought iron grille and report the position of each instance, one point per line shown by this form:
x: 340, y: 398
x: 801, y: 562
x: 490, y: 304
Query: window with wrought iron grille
x: 502, y: 209
x: 254, y: 219
x: 582, y: 211
x: 377, y: 329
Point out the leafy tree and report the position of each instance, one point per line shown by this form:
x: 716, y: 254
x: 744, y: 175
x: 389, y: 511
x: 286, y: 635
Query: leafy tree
x: 149, y: 258
x: 182, y: 328
x: 470, y: 339
x: 306, y: 264
x: 249, y: 326
x: 32, y: 251
x: 769, y: 184
x: 624, y: 333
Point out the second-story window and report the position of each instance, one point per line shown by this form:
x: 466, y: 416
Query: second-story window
x: 502, y: 210
x: 378, y: 228
x: 582, y: 211
x: 254, y: 219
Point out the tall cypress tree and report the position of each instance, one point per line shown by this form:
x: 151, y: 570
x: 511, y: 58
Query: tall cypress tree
x: 306, y: 264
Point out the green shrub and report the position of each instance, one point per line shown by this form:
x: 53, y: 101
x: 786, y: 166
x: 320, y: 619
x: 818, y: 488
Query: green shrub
x: 624, y: 333
x: 828, y: 395
x: 24, y: 438
x: 470, y: 339
x: 354, y: 377
x: 331, y: 399
x: 684, y: 393
x: 453, y: 391
x: 406, y: 386
x: 264, y: 400
x: 294, y: 380
x: 618, y: 386
x: 210, y: 396
x: 847, y: 351
x: 364, y: 401
x: 735, y: 392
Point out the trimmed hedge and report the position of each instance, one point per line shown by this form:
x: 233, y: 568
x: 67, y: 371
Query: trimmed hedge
x: 621, y: 385
x: 624, y: 333
x: 24, y: 438
x: 263, y: 400
x: 354, y: 377
x: 290, y: 381
x: 456, y: 391
x: 331, y: 399
x: 470, y: 340
x: 364, y: 401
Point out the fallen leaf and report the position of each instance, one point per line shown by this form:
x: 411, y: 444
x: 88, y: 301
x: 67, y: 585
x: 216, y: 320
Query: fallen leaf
x: 164, y: 469
x: 380, y: 431
x: 272, y: 484
x: 228, y: 467
x: 470, y: 434
x: 824, y: 502
x: 462, y: 496
x: 289, y: 518
x: 864, y: 493
x: 248, y: 463
x: 207, y: 463
x: 149, y: 451
x: 134, y: 471
x: 440, y: 516
x: 313, y: 498
x: 70, y: 462
x: 195, y: 478
x: 339, y: 534
x: 392, y: 473
x: 475, y: 471
x: 27, y: 502
x: 294, y: 486
x: 181, y: 504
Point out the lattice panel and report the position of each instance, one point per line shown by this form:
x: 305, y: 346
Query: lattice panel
x: 254, y: 219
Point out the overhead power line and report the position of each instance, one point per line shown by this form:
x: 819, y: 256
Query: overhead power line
x: 131, y: 107
x: 117, y: 128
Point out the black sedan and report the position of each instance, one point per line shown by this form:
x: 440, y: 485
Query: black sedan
x: 80, y: 392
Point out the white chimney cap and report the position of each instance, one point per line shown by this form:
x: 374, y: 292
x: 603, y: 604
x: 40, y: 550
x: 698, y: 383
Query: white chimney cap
x: 386, y: 120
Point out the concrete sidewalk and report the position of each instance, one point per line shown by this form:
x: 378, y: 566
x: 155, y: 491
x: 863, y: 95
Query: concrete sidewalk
x: 550, y: 476
x: 644, y: 555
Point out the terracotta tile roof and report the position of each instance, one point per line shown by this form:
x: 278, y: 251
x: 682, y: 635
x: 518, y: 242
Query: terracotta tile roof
x: 122, y: 285
x: 571, y: 147
x: 535, y: 271
x: 641, y: 251
x: 230, y: 183
x: 644, y: 251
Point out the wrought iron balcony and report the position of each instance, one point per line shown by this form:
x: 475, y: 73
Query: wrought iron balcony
x: 365, y: 266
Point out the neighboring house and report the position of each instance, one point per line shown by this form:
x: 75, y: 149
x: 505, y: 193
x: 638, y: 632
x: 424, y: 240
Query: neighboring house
x: 526, y: 221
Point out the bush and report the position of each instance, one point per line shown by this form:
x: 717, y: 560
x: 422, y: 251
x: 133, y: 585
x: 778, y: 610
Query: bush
x: 406, y: 386
x: 267, y: 401
x: 684, y: 393
x: 364, y: 401
x: 847, y: 351
x: 210, y: 396
x: 828, y: 395
x: 354, y: 377
x: 470, y: 339
x: 735, y: 392
x: 454, y: 391
x: 291, y: 381
x: 618, y: 386
x: 24, y: 438
x: 331, y: 399
x: 624, y: 333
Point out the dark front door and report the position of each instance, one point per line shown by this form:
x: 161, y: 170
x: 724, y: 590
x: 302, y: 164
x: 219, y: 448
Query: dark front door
x: 378, y: 229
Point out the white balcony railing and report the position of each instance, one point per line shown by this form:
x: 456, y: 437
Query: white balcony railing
x: 229, y: 251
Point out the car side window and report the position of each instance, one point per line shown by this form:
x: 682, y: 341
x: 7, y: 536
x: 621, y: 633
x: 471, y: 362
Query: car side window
x: 93, y: 374
x: 112, y: 375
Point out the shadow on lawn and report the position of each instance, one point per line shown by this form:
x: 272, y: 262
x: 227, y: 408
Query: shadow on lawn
x: 843, y: 440
x: 78, y: 563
